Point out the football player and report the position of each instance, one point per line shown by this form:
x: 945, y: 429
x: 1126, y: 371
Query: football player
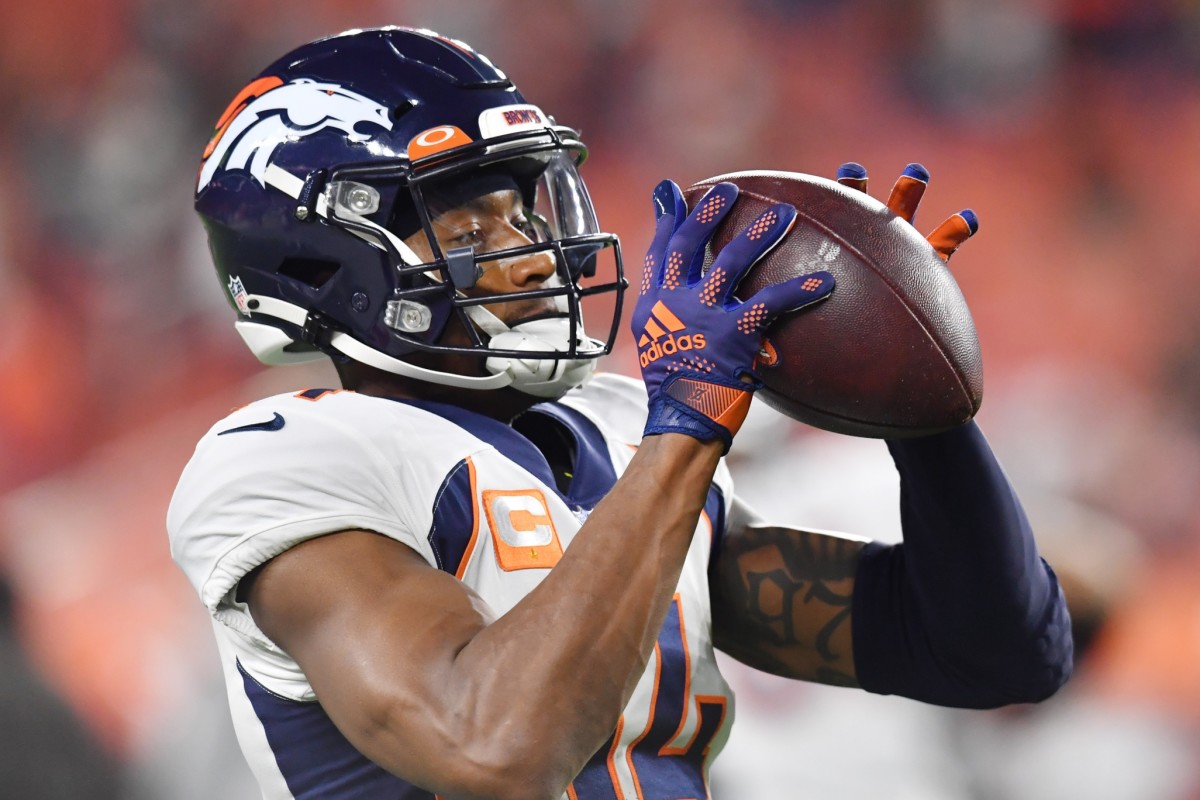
x: 476, y: 569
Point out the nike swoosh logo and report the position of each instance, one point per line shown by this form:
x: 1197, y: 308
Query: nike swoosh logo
x: 270, y: 425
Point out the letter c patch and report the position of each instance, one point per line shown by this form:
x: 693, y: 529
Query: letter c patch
x: 523, y: 534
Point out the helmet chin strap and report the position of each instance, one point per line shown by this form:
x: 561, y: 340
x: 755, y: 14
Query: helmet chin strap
x: 541, y: 377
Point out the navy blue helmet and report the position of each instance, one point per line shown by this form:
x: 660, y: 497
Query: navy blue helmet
x: 323, y: 180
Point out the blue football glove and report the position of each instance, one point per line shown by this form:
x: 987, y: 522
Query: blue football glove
x: 904, y: 199
x: 697, y: 343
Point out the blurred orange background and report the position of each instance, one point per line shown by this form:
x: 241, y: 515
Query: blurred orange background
x: 1071, y: 126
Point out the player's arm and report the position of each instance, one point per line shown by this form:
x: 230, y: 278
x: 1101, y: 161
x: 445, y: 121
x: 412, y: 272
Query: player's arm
x: 781, y: 598
x: 425, y: 680
x: 963, y: 613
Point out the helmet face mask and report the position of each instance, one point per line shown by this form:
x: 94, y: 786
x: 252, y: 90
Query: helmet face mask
x: 341, y: 241
x: 553, y: 219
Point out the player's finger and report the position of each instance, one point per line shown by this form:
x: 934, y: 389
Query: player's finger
x: 669, y: 213
x: 746, y: 248
x: 853, y: 175
x: 906, y: 194
x: 791, y: 295
x: 685, y: 251
x: 948, y: 236
x: 668, y: 202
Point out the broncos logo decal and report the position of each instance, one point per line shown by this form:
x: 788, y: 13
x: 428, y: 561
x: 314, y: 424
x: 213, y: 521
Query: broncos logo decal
x: 268, y: 112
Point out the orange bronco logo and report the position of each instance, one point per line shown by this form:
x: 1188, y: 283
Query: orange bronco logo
x: 269, y: 112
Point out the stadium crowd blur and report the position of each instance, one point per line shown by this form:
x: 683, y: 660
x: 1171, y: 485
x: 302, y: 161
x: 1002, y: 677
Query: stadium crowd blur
x: 1071, y: 126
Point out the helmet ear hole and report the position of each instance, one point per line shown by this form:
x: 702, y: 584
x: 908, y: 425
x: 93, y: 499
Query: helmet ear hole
x: 312, y: 272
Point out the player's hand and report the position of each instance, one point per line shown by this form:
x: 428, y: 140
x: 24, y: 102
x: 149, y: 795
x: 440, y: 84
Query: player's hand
x: 697, y: 343
x: 904, y: 199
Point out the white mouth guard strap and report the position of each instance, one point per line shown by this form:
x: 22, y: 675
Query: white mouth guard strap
x: 346, y: 344
x: 407, y: 255
x: 486, y: 321
x: 284, y: 181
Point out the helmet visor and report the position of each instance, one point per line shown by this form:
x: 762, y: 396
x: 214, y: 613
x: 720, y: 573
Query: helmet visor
x: 540, y: 196
x: 517, y: 237
x: 511, y: 233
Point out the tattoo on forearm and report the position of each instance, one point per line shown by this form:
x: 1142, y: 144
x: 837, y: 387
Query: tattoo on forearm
x: 786, y: 597
x: 777, y: 621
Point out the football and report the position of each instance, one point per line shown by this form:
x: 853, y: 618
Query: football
x: 893, y: 352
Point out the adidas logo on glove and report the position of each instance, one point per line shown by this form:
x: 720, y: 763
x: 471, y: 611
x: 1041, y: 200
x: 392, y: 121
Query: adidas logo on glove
x: 660, y: 333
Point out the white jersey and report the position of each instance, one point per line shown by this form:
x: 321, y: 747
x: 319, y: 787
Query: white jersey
x: 474, y: 498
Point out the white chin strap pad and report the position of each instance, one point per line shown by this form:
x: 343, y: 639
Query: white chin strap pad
x: 268, y: 343
x: 542, y: 377
x: 539, y: 377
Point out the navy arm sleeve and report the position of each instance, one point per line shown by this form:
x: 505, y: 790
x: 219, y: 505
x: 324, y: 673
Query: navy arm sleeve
x: 964, y: 613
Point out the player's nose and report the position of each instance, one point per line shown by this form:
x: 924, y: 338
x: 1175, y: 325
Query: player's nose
x: 531, y: 269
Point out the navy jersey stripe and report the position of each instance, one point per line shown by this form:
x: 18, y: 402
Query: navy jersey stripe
x: 316, y: 761
x: 316, y: 394
x: 658, y: 769
x: 594, y: 474
x: 714, y: 506
x: 453, y: 518
x: 512, y: 444
x: 661, y: 773
x: 594, y: 782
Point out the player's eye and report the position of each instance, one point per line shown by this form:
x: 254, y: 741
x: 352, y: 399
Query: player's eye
x: 525, y: 226
x: 533, y: 226
x: 473, y: 237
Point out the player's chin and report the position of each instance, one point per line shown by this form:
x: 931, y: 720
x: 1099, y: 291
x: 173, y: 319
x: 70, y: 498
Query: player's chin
x: 515, y: 314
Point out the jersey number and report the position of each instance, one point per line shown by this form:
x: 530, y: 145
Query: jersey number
x: 656, y: 765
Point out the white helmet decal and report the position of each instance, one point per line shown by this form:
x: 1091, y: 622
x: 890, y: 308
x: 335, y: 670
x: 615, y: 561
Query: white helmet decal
x: 269, y: 112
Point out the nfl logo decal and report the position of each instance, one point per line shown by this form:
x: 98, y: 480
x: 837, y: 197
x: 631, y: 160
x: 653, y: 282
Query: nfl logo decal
x: 238, y: 293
